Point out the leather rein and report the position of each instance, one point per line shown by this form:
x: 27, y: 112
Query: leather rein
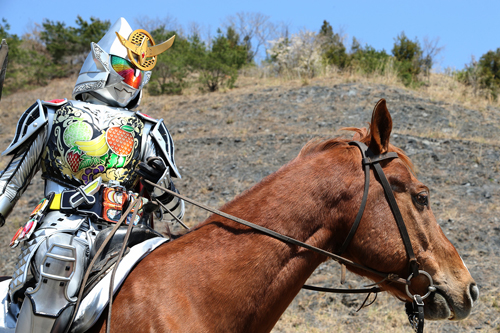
x: 415, y: 309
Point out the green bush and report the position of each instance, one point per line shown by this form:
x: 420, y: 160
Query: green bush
x: 489, y: 72
x: 367, y: 60
x: 89, y: 32
x: 34, y: 62
x: 169, y: 75
x: 219, y: 66
x: 333, y: 51
x: 483, y: 75
x: 62, y: 41
x: 409, y: 60
x: 215, y: 67
x: 13, y: 42
x: 28, y: 65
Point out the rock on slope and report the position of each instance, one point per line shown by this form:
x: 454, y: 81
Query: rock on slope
x: 226, y: 142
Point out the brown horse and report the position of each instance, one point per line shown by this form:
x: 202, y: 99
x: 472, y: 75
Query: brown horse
x: 225, y: 277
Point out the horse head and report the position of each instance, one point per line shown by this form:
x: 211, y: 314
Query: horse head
x: 378, y: 244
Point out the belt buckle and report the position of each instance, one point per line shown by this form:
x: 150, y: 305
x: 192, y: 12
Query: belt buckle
x: 114, y: 199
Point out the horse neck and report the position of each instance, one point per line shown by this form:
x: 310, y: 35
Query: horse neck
x: 274, y: 271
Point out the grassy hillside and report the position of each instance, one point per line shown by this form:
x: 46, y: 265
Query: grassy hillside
x: 229, y: 140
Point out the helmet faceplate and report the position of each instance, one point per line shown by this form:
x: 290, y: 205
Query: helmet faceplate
x: 98, y: 79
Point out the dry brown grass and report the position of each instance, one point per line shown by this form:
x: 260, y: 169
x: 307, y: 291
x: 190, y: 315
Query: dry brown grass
x: 387, y: 314
x: 441, y: 87
x: 436, y: 87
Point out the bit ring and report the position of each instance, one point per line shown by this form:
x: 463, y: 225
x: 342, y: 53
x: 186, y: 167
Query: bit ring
x: 430, y: 289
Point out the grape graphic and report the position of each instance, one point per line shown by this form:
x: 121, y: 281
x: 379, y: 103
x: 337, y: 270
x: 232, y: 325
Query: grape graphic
x: 89, y: 173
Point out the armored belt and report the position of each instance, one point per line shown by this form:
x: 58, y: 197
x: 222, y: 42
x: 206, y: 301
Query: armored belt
x: 96, y: 199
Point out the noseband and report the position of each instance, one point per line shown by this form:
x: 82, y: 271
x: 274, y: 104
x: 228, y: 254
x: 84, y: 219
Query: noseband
x: 414, y: 310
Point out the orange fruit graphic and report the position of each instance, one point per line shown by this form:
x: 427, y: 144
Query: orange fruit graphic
x: 120, y: 140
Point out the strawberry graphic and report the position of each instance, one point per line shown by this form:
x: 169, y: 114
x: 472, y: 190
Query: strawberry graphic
x: 120, y: 139
x: 73, y: 159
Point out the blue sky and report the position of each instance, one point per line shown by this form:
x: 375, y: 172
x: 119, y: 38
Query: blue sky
x: 464, y: 28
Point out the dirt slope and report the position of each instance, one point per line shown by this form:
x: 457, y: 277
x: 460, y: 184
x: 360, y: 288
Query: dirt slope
x: 225, y: 142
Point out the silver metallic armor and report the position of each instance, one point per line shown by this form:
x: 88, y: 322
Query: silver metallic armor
x: 98, y: 82
x: 78, y: 145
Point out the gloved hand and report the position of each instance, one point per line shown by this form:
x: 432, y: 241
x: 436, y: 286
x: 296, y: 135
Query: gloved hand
x: 152, y: 170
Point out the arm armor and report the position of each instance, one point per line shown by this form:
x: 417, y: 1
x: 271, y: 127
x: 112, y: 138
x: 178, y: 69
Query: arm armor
x: 26, y: 151
x: 159, y: 143
x: 174, y: 204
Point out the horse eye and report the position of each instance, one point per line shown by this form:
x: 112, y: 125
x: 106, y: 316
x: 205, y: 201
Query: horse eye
x: 422, y: 198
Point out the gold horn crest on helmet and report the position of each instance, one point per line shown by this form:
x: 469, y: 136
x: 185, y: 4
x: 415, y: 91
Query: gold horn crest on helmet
x: 142, y: 55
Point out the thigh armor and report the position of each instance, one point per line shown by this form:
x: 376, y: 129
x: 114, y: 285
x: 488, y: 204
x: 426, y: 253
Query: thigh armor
x: 50, y: 270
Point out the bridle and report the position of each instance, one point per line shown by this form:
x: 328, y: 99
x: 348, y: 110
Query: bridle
x: 414, y: 310
x: 369, y: 159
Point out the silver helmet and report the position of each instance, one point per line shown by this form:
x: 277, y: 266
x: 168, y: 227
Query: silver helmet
x: 108, y: 75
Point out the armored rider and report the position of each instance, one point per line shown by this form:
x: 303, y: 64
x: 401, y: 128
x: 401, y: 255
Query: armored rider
x: 92, y: 151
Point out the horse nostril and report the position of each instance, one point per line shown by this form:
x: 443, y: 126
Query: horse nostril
x: 474, y: 292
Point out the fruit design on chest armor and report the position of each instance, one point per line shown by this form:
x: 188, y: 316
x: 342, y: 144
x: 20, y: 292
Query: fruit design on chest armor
x: 96, y: 147
x: 109, y: 149
x: 120, y: 139
x: 73, y: 159
x: 76, y: 131
x: 85, y: 145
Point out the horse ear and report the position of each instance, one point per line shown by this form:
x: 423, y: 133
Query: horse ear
x: 380, y: 128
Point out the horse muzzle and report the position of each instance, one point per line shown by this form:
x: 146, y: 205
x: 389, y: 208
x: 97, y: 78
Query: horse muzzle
x: 446, y: 304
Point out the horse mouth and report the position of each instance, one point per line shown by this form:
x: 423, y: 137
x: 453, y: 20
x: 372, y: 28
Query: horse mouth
x: 450, y: 308
x: 441, y: 306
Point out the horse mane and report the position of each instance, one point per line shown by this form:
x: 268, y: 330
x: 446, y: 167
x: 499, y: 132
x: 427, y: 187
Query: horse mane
x: 360, y: 134
x: 318, y: 145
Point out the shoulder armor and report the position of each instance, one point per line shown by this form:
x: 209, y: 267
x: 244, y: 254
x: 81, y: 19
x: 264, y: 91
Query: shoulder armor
x: 164, y: 142
x: 147, y: 118
x: 55, y: 102
x: 30, y: 123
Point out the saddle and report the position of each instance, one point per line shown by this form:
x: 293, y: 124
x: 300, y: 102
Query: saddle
x: 109, y: 255
x: 97, y: 292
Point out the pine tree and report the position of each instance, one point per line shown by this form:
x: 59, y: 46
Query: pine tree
x: 332, y: 47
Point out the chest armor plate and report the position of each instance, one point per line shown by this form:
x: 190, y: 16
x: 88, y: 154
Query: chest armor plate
x: 85, y: 144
